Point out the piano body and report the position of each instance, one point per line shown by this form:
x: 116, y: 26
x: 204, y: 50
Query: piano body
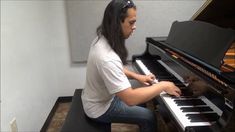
x: 201, y: 48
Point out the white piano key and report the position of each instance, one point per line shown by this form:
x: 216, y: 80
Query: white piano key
x: 145, y: 69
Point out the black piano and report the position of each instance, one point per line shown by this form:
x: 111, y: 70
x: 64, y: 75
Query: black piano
x: 199, y: 57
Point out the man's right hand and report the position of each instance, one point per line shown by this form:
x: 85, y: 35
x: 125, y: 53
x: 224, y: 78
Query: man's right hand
x: 170, y: 88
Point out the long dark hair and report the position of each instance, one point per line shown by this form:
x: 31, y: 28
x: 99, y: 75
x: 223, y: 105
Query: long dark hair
x: 111, y: 29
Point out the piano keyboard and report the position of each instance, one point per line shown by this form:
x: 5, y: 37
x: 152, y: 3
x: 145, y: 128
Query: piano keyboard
x: 191, y: 111
x: 187, y: 111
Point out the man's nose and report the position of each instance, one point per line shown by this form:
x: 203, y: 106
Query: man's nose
x: 134, y: 27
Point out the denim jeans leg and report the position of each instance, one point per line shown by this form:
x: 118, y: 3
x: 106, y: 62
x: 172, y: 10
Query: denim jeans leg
x: 119, y: 112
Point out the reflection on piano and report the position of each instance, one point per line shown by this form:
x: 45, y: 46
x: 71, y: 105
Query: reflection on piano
x: 195, y: 49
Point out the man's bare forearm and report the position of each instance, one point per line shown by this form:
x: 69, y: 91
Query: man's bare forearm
x: 131, y: 74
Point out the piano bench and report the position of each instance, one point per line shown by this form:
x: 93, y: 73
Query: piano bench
x: 77, y: 121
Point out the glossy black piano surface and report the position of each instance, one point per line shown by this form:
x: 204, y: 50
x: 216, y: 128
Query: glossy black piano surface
x: 198, y: 50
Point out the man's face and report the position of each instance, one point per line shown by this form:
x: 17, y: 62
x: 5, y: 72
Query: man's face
x: 128, y: 26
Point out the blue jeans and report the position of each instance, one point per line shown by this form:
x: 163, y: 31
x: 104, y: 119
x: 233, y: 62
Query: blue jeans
x: 119, y: 112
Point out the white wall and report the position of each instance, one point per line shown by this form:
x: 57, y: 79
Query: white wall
x: 154, y: 18
x: 35, y: 62
x: 35, y: 57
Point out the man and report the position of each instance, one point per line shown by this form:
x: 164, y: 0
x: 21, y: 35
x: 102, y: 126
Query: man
x: 108, y: 96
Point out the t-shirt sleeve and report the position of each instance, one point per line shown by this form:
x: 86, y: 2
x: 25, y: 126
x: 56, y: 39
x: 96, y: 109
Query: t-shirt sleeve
x: 113, y: 76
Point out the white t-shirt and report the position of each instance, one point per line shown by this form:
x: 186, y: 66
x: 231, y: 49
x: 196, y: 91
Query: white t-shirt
x: 104, y: 78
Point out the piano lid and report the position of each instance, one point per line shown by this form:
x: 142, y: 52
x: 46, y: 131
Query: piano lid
x: 217, y: 12
x: 203, y: 42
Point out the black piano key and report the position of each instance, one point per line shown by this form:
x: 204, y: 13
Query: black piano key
x: 195, y: 118
x: 186, y: 92
x: 179, y: 85
x: 203, y: 117
x: 167, y: 78
x: 156, y: 68
x: 175, y: 81
x: 211, y: 116
x: 172, y: 79
x: 196, y: 109
x: 189, y: 102
x: 162, y: 75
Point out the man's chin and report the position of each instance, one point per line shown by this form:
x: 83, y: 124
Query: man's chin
x: 129, y: 35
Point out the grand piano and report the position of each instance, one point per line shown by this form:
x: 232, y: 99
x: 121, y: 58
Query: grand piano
x: 198, y: 56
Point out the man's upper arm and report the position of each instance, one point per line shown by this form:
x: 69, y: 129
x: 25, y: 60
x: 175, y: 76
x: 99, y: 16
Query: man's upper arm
x: 114, y: 78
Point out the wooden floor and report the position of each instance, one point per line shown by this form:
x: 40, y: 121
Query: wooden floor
x: 61, y: 112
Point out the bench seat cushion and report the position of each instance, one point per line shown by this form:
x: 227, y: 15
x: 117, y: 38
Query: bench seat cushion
x: 77, y: 121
